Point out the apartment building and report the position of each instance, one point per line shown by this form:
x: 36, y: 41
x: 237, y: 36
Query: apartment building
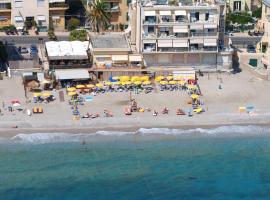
x: 5, y: 12
x: 264, y: 44
x: 243, y: 5
x: 118, y: 10
x: 39, y: 12
x: 183, y: 35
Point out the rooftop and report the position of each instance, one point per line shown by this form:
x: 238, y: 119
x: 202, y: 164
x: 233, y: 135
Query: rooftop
x: 109, y: 41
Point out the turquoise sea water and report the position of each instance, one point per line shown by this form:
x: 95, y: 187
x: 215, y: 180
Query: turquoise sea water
x: 158, y: 164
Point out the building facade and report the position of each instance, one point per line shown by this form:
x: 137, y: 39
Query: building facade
x: 118, y: 10
x: 40, y: 13
x: 184, y: 35
x: 265, y: 27
x: 5, y: 12
x: 243, y: 5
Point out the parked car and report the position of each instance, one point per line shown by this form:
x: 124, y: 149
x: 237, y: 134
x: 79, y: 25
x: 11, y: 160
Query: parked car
x: 251, y: 48
x: 23, y: 50
x: 33, y: 49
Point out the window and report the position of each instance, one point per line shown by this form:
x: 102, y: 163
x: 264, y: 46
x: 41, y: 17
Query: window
x: 127, y: 17
x: 18, y: 19
x: 236, y: 5
x: 18, y: 3
x: 40, y: 3
x: 206, y: 16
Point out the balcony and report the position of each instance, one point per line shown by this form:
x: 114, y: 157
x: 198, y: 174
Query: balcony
x: 202, y: 34
x: 5, y: 7
x: 58, y: 6
x: 113, y: 9
x: 150, y: 20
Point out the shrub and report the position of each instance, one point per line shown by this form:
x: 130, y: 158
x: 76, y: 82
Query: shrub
x: 80, y: 35
x: 73, y: 23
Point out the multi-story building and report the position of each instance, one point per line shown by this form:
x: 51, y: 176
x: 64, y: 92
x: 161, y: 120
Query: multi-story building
x: 118, y: 10
x: 187, y: 35
x: 39, y: 12
x: 264, y: 44
x: 243, y: 5
x: 5, y: 12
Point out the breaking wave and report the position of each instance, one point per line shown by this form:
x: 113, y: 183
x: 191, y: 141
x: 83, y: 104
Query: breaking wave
x: 234, y: 130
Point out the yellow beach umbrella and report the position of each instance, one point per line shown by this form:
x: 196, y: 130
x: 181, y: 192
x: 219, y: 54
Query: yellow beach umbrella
x: 159, y: 78
x: 90, y: 86
x: 192, y: 87
x: 46, y: 94
x: 72, y: 93
x: 80, y: 86
x: 194, y: 96
x: 99, y: 85
x: 145, y: 78
x: 163, y: 82
x: 71, y: 89
x: 147, y: 83
x: 182, y: 82
x: 169, y: 78
x: 124, y: 78
x: 108, y: 83
x: 135, y: 78
x: 172, y: 82
x: 137, y: 82
x: 37, y: 94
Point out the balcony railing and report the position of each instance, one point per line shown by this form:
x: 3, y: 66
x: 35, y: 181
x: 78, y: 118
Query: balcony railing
x: 180, y: 49
x: 203, y: 34
x: 5, y: 6
x: 113, y: 9
x: 58, y: 5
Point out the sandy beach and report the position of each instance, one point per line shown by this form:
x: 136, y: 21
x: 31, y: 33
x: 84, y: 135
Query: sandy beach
x: 221, y: 105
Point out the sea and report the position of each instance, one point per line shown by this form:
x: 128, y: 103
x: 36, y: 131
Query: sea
x: 219, y: 163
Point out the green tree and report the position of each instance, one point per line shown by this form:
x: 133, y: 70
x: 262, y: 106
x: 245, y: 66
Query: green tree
x: 97, y: 17
x: 73, y: 23
x: 80, y: 35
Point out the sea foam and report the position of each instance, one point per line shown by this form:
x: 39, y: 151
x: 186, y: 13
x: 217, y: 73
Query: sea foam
x: 232, y: 130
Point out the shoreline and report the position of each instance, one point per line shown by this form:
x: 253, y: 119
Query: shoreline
x: 7, y: 133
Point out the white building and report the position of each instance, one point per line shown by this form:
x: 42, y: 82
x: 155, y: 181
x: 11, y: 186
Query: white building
x: 182, y: 35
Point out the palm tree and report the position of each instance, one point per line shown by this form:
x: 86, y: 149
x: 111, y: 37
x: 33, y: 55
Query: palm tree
x: 97, y: 17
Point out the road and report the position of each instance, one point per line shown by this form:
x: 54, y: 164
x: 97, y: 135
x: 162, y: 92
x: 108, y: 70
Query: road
x: 17, y: 40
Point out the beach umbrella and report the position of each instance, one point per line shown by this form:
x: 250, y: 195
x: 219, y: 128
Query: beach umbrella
x: 80, y: 86
x: 108, y: 83
x: 172, y: 82
x: 46, y: 94
x: 145, y: 78
x: 191, y: 78
x: 135, y: 78
x: 72, y: 93
x: 192, y: 87
x: 99, y: 85
x: 169, y: 78
x: 37, y: 94
x: 194, y: 96
x: 159, y: 78
x: 90, y: 86
x: 71, y: 89
x: 163, y: 82
x: 182, y: 82
x: 137, y: 82
x: 124, y: 78
x: 147, y: 83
